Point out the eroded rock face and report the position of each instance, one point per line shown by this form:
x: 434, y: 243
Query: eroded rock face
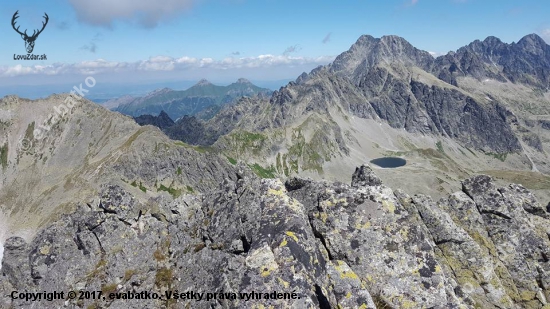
x: 335, y: 245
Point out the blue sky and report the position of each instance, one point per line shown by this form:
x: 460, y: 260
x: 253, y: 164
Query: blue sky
x: 140, y: 41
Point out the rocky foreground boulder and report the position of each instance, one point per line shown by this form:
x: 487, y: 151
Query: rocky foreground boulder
x: 304, y: 244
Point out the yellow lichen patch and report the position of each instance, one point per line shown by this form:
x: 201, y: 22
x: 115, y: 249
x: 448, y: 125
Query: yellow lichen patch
x: 266, y: 271
x: 369, y: 277
x: 360, y: 226
x: 438, y: 269
x: 484, y: 242
x: 283, y: 243
x: 363, y: 306
x: 345, y: 271
x: 294, y: 205
x: 263, y: 260
x: 283, y: 283
x: 348, y: 295
x: 389, y: 228
x: 324, y: 217
x: 275, y: 192
x: 528, y: 295
x: 389, y: 206
x: 348, y: 275
x: 404, y: 232
x: 291, y: 234
x: 45, y: 250
x: 407, y: 304
x: 291, y: 203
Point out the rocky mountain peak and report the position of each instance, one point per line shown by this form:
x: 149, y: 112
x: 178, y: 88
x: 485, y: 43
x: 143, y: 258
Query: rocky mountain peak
x: 161, y: 90
x: 534, y: 44
x: 203, y: 82
x: 243, y: 81
x: 161, y: 121
x: 164, y: 115
x: 369, y: 52
x: 364, y: 40
x: 157, y: 92
x: 533, y: 38
x: 490, y: 46
x: 394, y: 41
x: 492, y: 40
x: 527, y: 61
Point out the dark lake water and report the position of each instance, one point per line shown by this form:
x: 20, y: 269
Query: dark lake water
x: 389, y: 162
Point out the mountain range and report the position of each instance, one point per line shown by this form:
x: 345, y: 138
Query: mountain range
x: 274, y: 194
x: 482, y: 108
x: 202, y: 97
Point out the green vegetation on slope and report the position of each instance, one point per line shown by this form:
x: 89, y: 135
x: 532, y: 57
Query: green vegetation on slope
x: 247, y: 142
x: 141, y: 187
x: 4, y: 155
x: 499, y: 156
x: 231, y: 160
x: 440, y: 147
x: 263, y: 172
x: 172, y: 191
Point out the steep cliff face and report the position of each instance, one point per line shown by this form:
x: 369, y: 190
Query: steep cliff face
x: 335, y: 245
x: 394, y: 78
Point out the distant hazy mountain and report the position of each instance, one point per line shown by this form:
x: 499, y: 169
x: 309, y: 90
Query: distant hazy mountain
x: 201, y: 96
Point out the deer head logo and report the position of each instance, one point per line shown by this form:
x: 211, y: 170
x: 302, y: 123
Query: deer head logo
x: 29, y: 40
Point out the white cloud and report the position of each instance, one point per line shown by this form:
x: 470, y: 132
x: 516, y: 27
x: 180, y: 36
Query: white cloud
x: 436, y: 54
x: 147, y: 12
x: 19, y: 70
x: 160, y: 59
x: 164, y: 63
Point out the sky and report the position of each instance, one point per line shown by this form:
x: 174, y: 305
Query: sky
x: 134, y: 42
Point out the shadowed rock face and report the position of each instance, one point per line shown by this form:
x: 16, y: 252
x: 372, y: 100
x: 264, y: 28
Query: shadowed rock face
x: 335, y: 245
x: 162, y: 121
